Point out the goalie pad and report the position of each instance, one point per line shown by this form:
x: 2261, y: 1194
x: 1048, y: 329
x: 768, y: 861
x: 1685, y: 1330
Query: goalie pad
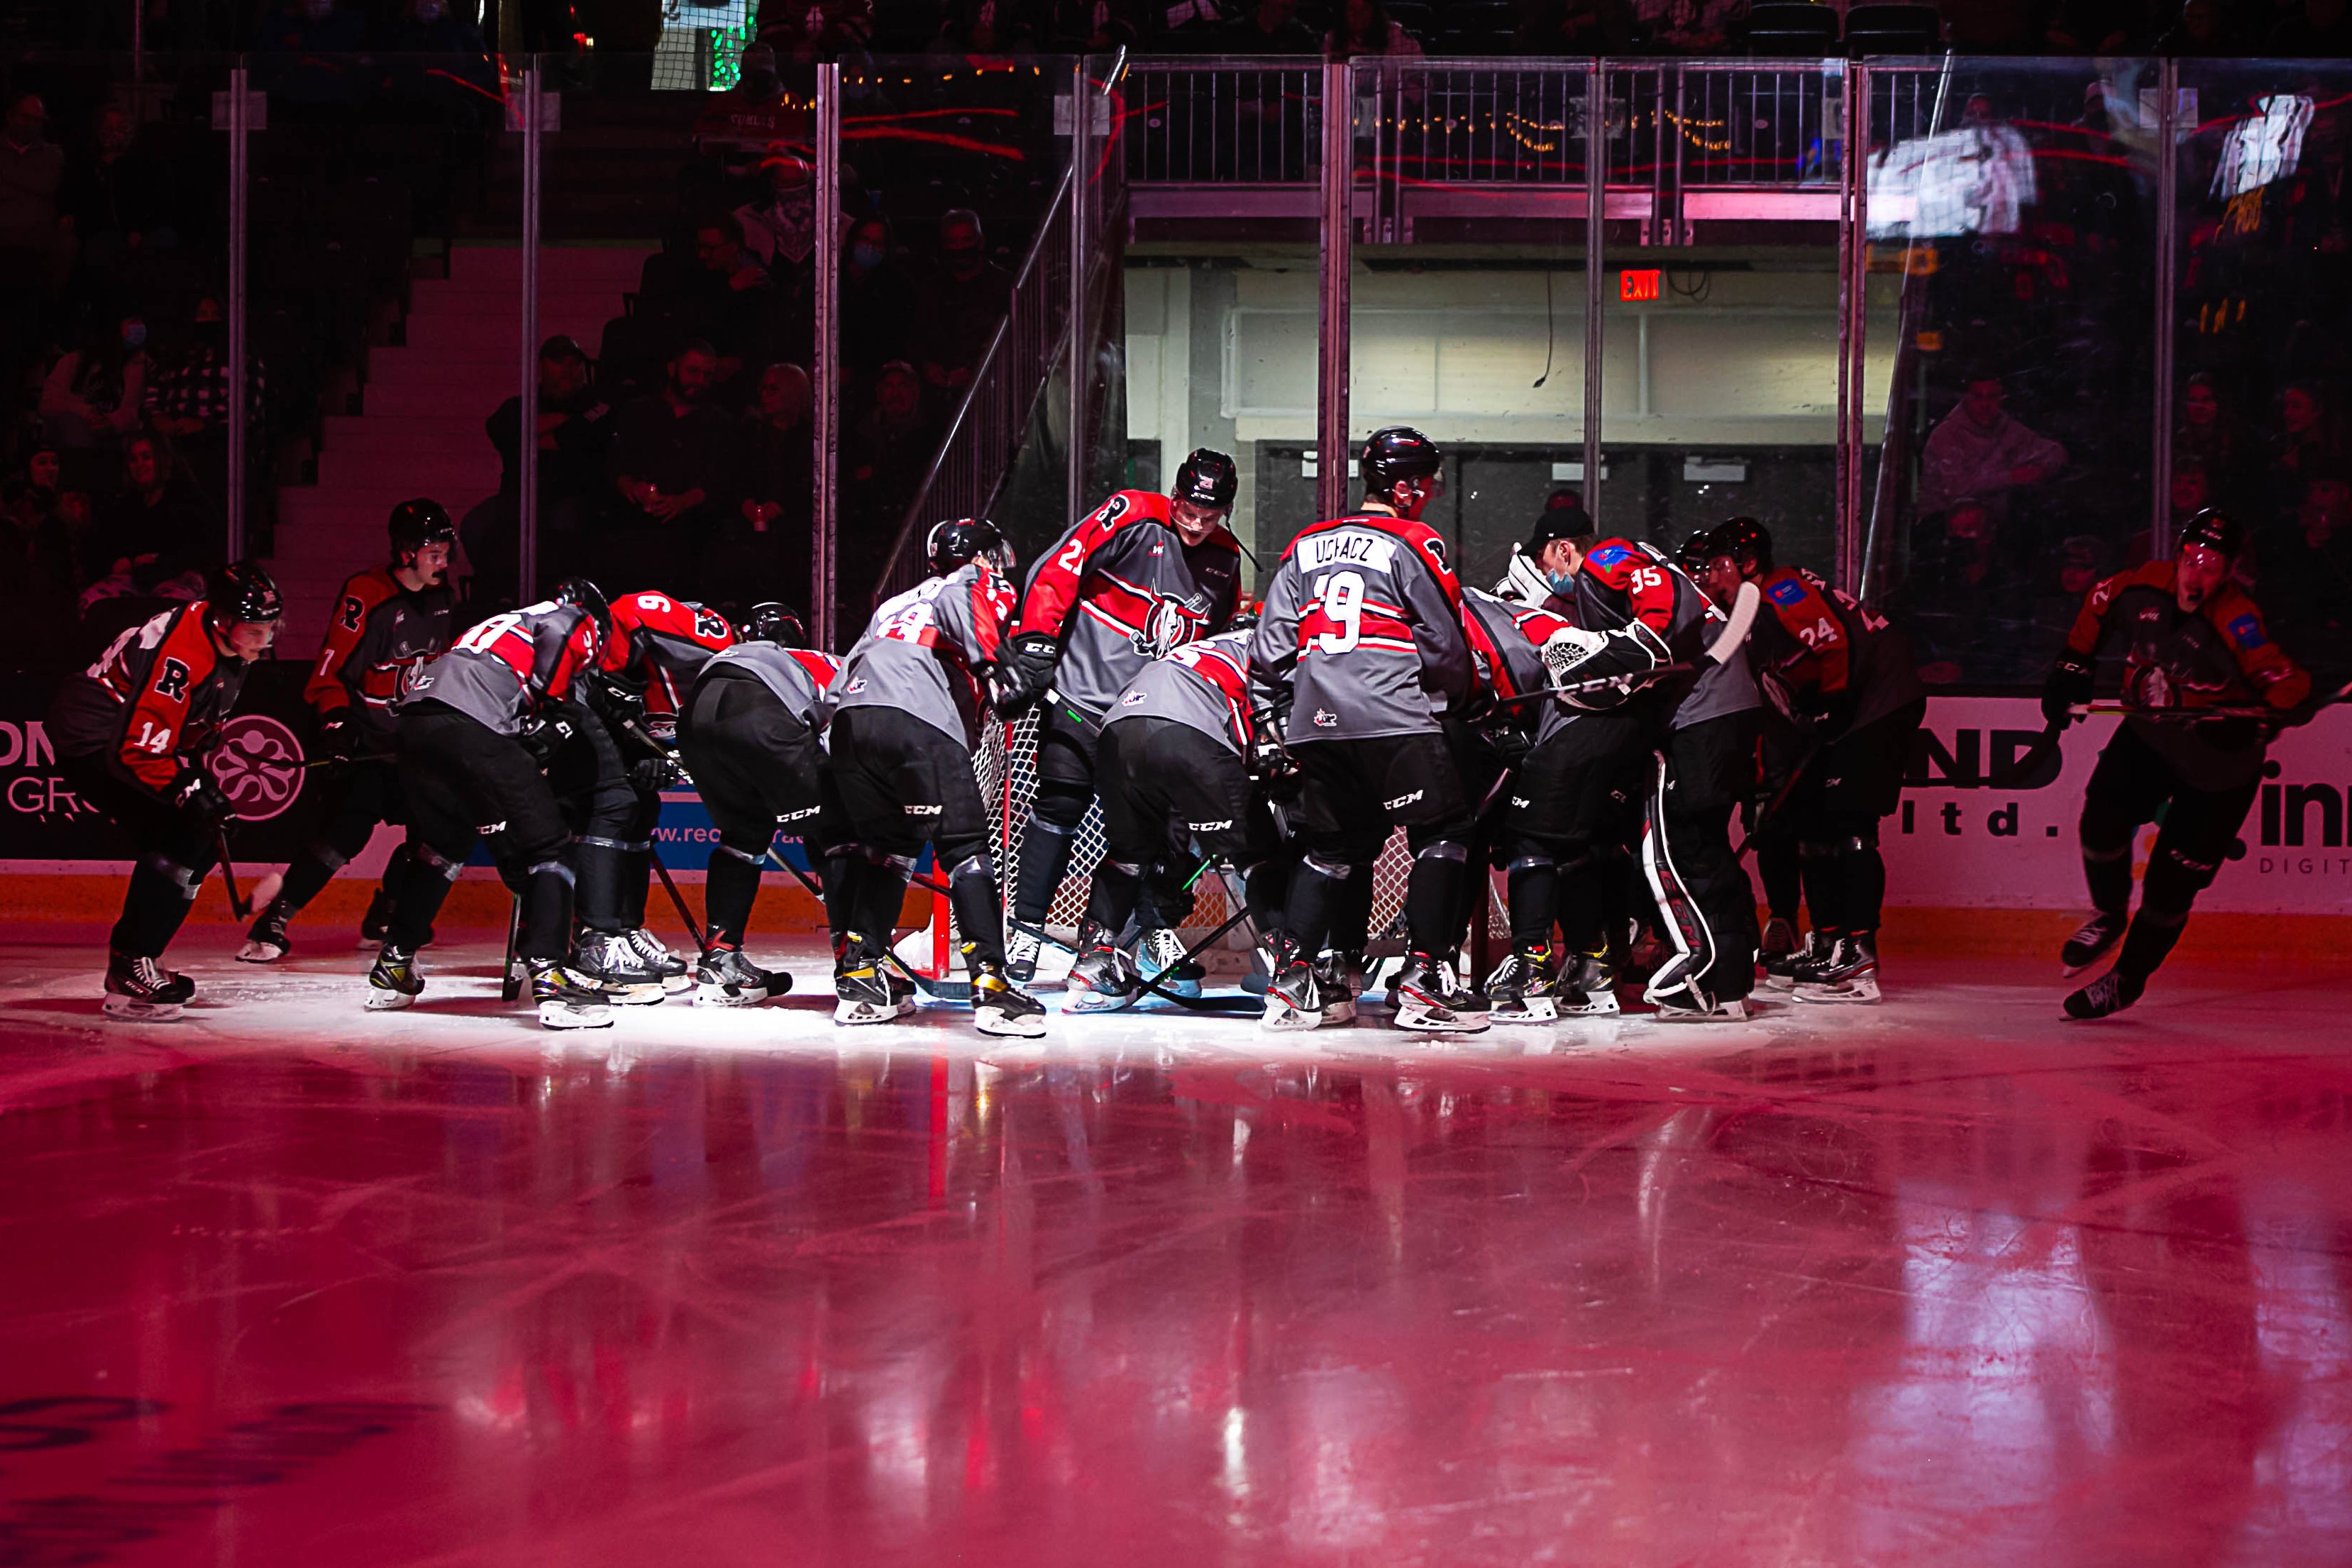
x: 1619, y: 661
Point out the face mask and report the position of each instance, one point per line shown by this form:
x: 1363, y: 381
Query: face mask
x: 135, y: 334
x: 865, y: 258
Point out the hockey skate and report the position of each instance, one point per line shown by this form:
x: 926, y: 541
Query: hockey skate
x: 1337, y: 976
x: 375, y: 926
x: 1780, y: 968
x: 677, y: 974
x: 393, y: 983
x: 1589, y: 987
x: 1431, y: 999
x: 2110, y: 993
x: 1160, y: 956
x: 266, y: 942
x: 143, y: 990
x: 2088, y: 945
x: 1777, y: 941
x: 1001, y: 1007
x: 1525, y: 987
x: 861, y: 988
x: 1104, y: 979
x: 1022, y: 945
x: 1847, y: 973
x: 567, y: 999
x: 727, y: 978
x: 1295, y: 999
x: 611, y: 962
x: 1690, y: 1005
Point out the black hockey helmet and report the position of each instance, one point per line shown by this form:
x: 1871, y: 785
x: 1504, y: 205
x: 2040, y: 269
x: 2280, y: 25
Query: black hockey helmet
x: 955, y: 544
x: 241, y: 592
x: 582, y: 595
x: 1746, y: 541
x: 1692, y: 554
x: 416, y: 523
x: 1563, y: 517
x: 2215, y: 530
x: 1396, y: 453
x: 772, y: 620
x: 1207, y: 478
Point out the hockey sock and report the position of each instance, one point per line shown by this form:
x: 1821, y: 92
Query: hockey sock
x: 309, y: 873
x: 1317, y: 889
x: 1116, y: 888
x: 1778, y: 868
x: 2149, y: 941
x: 546, y: 912
x: 1046, y: 848
x: 1349, y: 918
x: 600, y: 865
x: 844, y: 870
x: 419, y: 883
x: 979, y: 912
x: 1579, y: 905
x: 1263, y: 889
x: 1824, y: 886
x: 1433, y: 897
x: 154, y: 905
x: 2107, y: 873
x: 730, y: 885
x: 1532, y: 885
x: 636, y: 879
x: 1862, y: 873
x: 881, y: 894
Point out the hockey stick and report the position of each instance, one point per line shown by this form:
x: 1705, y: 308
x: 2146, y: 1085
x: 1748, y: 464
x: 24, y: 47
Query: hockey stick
x: 1627, y: 682
x: 1152, y: 987
x: 678, y: 901
x: 510, y: 982
x: 237, y: 906
x: 345, y: 762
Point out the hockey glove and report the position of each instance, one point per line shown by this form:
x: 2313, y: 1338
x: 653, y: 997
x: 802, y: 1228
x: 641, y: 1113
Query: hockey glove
x: 1025, y: 672
x: 654, y: 774
x: 619, y: 702
x: 197, y: 796
x: 1599, y: 670
x: 339, y: 736
x: 546, y: 736
x: 1511, y: 743
x: 2069, y: 683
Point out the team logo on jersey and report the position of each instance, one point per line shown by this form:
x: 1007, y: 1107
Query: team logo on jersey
x: 258, y: 765
x: 1325, y: 718
x: 2246, y: 631
x: 488, y: 829
x: 1167, y: 626
x: 1129, y: 700
x: 1786, y: 592
x: 1402, y: 800
x: 1224, y: 826
x: 797, y: 816
x: 854, y: 687
x: 924, y: 810
x: 1609, y: 554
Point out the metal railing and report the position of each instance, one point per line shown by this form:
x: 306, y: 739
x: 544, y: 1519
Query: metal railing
x: 1221, y: 122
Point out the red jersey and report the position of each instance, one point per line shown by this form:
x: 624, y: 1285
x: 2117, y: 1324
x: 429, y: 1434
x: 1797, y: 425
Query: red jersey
x: 503, y: 668
x: 661, y: 644
x: 380, y: 636
x: 153, y: 701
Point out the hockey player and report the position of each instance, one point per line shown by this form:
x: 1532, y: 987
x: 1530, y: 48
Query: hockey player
x: 475, y: 729
x: 1641, y: 627
x: 130, y: 734
x: 1362, y: 654
x: 1139, y: 576
x: 388, y: 623
x: 2193, y: 640
x: 748, y: 737
x: 907, y: 707
x: 1843, y: 680
x: 658, y: 644
x: 1173, y: 758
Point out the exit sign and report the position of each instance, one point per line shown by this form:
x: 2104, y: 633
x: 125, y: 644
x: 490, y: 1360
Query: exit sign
x: 1635, y: 285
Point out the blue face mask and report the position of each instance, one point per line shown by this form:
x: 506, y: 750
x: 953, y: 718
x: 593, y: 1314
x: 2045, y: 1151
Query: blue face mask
x: 866, y: 257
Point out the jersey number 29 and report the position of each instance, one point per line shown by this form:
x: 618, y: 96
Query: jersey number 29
x: 1342, y: 594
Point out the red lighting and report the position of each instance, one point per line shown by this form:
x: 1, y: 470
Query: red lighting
x: 1633, y: 286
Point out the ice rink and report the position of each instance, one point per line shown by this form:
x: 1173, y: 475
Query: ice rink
x: 1942, y: 1282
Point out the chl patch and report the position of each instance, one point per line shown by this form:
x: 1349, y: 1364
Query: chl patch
x: 1786, y: 592
x: 1609, y: 554
x: 2246, y: 631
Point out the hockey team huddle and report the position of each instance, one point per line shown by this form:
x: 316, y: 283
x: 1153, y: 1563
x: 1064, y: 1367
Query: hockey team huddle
x: 1592, y: 728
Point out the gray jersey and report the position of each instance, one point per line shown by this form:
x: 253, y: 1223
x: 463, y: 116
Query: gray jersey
x: 923, y: 651
x: 798, y: 676
x: 500, y: 671
x: 1361, y: 632
x: 1723, y: 688
x: 1204, y: 686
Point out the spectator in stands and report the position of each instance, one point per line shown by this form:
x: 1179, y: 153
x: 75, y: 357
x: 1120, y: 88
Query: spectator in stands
x: 115, y: 198
x: 2318, y: 29
x: 738, y: 292
x: 2306, y: 433
x: 156, y: 527
x: 1573, y: 27
x: 1968, y: 609
x: 39, y: 578
x: 762, y: 551
x: 808, y: 32
x: 191, y: 399
x: 1365, y: 29
x: 878, y: 299
x: 1688, y: 27
x: 967, y: 299
x: 1089, y: 27
x: 571, y: 447
x: 458, y: 87
x: 2303, y: 576
x: 982, y: 27
x: 784, y: 224
x: 36, y: 248
x: 1979, y: 453
x: 318, y: 78
x: 889, y: 452
x: 93, y: 394
x: 1271, y: 27
x: 2202, y: 30
x: 2210, y: 433
x: 673, y: 462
